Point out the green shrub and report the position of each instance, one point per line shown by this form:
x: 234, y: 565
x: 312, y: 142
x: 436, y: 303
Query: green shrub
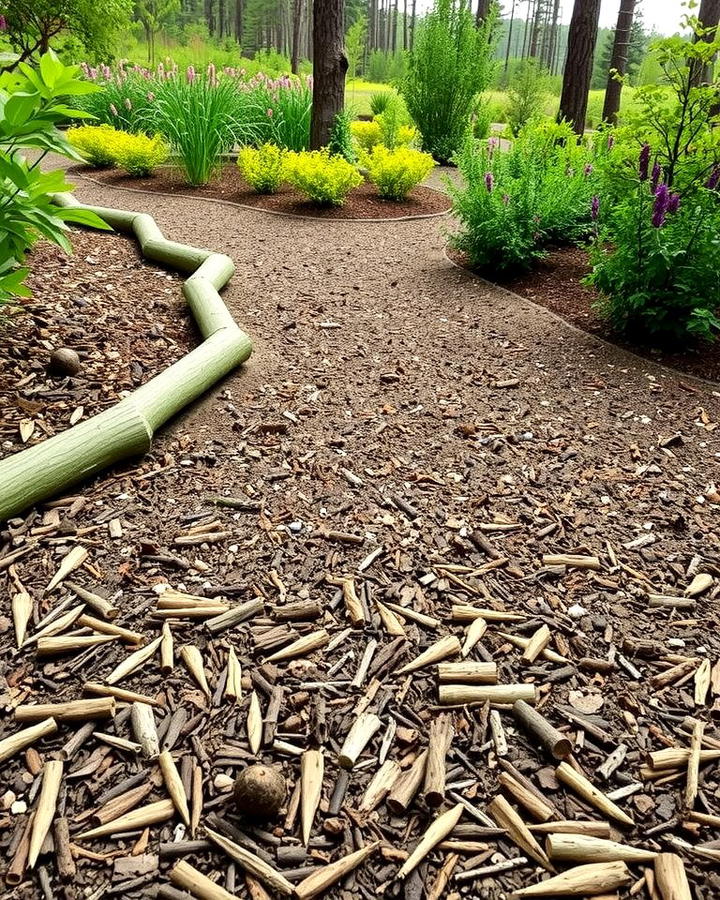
x: 94, y: 143
x: 379, y: 102
x: 325, y: 179
x: 366, y: 134
x: 341, y: 139
x: 263, y: 168
x: 526, y: 95
x: 139, y: 155
x: 397, y: 172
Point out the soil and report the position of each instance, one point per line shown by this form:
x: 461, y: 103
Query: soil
x: 361, y: 203
x: 433, y: 438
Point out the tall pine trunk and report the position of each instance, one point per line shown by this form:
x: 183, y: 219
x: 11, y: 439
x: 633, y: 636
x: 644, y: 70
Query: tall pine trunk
x: 619, y: 60
x: 296, y: 30
x: 329, y: 67
x: 239, y: 21
x: 483, y: 8
x: 709, y: 17
x: 579, y: 64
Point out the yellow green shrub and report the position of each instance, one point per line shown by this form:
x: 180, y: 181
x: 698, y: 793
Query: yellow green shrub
x: 263, y: 168
x: 95, y: 143
x: 366, y: 134
x: 103, y: 145
x: 397, y: 172
x: 325, y: 179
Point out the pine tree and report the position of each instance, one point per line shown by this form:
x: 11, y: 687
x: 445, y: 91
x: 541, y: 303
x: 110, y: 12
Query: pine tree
x: 579, y: 63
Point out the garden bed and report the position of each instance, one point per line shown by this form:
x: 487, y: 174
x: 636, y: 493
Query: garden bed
x: 362, y: 203
x: 126, y: 320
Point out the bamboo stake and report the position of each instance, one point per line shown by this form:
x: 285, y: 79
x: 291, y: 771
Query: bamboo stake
x: 254, y: 723
x: 160, y: 811
x: 55, y: 626
x: 465, y: 612
x: 507, y: 818
x: 440, y: 738
x: 13, y: 743
x: 574, y: 826
x: 407, y: 786
x: 671, y: 878
x: 390, y: 621
x: 577, y: 847
x: 438, y: 831
x: 71, y: 561
x: 537, y: 644
x: 72, y: 711
x: 252, y: 863
x: 359, y: 736
x: 45, y: 812
x: 167, y: 650
x: 447, y: 646
x: 100, y: 604
x: 589, y: 880
x: 131, y: 637
x: 193, y: 660
x: 693, y: 769
x: 174, y: 785
x: 133, y: 662
x: 380, y: 784
x: 303, y: 645
x: 522, y: 642
x: 22, y: 607
x: 467, y: 673
x: 233, y: 682
x: 585, y: 789
x: 323, y: 878
x: 102, y: 690
x: 191, y: 879
x: 677, y: 758
x: 235, y: 616
x: 119, y: 742
x: 53, y: 646
x: 537, y: 808
x: 473, y: 633
x: 554, y: 741
x: 143, y: 725
x: 312, y: 767
x: 463, y: 694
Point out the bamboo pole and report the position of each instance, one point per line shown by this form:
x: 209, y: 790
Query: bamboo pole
x: 252, y: 863
x: 191, y: 879
x: 193, y: 660
x: 133, y: 662
x: 312, y: 767
x: 100, y: 604
x: 437, y: 831
x: 507, y: 818
x: 582, y: 847
x: 318, y: 882
x: 359, y: 736
x: 585, y: 789
x: 447, y: 646
x: 160, y: 811
x: 588, y: 880
x: 467, y: 673
x: 72, y: 711
x: 463, y: 694
x: 554, y: 741
x: 407, y: 785
x: 174, y: 785
x: 143, y: 725
x: 45, y: 811
x: 671, y: 878
x: 26, y: 737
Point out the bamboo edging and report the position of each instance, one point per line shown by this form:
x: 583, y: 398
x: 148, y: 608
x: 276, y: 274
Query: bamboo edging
x: 126, y: 429
x: 581, y: 881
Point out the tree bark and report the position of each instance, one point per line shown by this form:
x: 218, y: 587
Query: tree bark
x: 618, y: 61
x: 709, y: 17
x: 239, y: 21
x: 329, y: 67
x: 412, y: 24
x: 297, y: 26
x: 483, y: 8
x: 578, y: 67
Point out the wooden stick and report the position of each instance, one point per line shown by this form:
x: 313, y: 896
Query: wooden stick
x: 464, y: 612
x: 554, y: 742
x: 312, y: 767
x: 71, y: 561
x: 303, y: 645
x: 119, y: 742
x: 678, y: 757
x: 537, y: 808
x: 55, y: 626
x: 462, y: 694
x: 143, y: 725
x: 537, y: 643
x: 130, y: 637
x: 102, y: 690
x: 118, y: 806
x: 133, y: 662
x: 191, y: 879
x: 72, y: 711
x: 191, y: 612
x: 573, y: 826
x: 589, y: 880
x: 254, y: 723
x: 439, y: 886
x: 585, y: 789
x: 390, y: 621
x: 354, y: 607
x: 467, y: 673
x: 233, y: 682
x: 440, y: 738
x: 671, y: 878
x: 577, y: 847
x: 26, y: 737
x: 22, y: 607
x: 63, y: 854
x: 359, y: 736
x: 407, y: 612
x: 197, y: 799
x: 100, y: 604
x: 252, y: 863
x: 15, y: 872
x: 167, y: 650
x: 507, y: 818
x: 323, y: 878
x: 193, y: 660
x: 53, y: 646
x: 447, y: 646
x: 380, y: 785
x: 572, y: 561
x: 473, y: 633
x: 235, y: 616
x: 45, y: 811
x: 407, y: 785
x: 522, y: 642
x: 693, y: 769
x: 174, y: 785
x: 438, y: 831
x: 160, y: 811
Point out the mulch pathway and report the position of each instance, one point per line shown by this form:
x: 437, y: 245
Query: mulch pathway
x: 405, y: 439
x: 361, y: 203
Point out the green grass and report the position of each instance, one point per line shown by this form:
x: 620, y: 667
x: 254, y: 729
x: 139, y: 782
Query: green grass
x: 359, y: 92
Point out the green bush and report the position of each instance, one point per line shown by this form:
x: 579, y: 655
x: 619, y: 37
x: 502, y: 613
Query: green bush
x: 366, y: 134
x: 341, y: 139
x: 379, y: 102
x: 325, y: 179
x: 526, y: 96
x: 397, y: 172
x: 103, y: 146
x: 94, y: 143
x: 263, y: 168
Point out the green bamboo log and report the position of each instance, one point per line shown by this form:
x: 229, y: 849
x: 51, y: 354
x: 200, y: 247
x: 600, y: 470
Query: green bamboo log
x: 126, y: 430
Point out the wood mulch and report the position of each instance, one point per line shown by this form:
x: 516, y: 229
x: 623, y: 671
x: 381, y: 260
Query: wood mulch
x: 361, y: 203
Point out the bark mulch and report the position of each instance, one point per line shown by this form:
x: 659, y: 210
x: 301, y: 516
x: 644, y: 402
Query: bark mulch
x: 407, y: 449
x: 361, y: 203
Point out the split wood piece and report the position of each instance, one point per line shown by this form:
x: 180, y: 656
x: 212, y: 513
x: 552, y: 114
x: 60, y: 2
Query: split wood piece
x: 251, y: 863
x: 438, y: 831
x: 359, y: 736
x: 119, y: 805
x: 167, y: 650
x: 380, y: 785
x: 439, y: 740
x: 26, y: 737
x: 191, y: 879
x: 303, y: 645
x: 100, y: 604
x: 703, y: 818
x: 174, y: 785
x: 693, y: 768
x: 670, y: 877
x: 677, y: 758
x: 590, y: 880
x: 298, y: 611
x: 133, y: 662
x: 466, y: 612
x: 522, y: 642
x: 407, y: 785
x: 353, y: 605
x: 553, y: 741
x: 700, y: 583
x: 585, y: 789
x: 45, y: 811
x: 659, y: 601
x: 572, y: 561
x: 22, y: 607
x: 103, y: 690
x: 703, y: 675
x: 675, y: 673
x: 233, y: 681
x: 576, y: 847
x: 390, y: 621
x: 72, y: 711
x: 160, y: 811
x: 320, y: 880
x: 467, y: 673
x: 71, y: 561
x: 574, y: 826
x: 536, y: 645
x: 55, y: 626
x: 71, y: 643
x: 254, y: 723
x: 235, y: 616
x: 193, y: 660
x: 312, y: 768
x: 196, y: 792
x: 447, y: 646
x: 408, y: 612
x: 537, y: 808
x: 63, y: 853
x: 119, y: 742
x: 143, y: 725
x: 130, y: 637
x: 442, y: 878
x: 507, y: 818
x: 191, y: 612
x: 465, y: 694
x: 473, y: 633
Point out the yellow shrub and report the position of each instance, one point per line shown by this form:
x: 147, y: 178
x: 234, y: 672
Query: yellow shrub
x: 263, y: 168
x: 94, y: 143
x: 366, y: 134
x: 325, y: 179
x: 396, y: 172
x: 103, y: 145
x: 407, y: 135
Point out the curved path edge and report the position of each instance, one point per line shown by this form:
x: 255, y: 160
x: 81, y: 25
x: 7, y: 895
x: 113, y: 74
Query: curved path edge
x: 127, y: 428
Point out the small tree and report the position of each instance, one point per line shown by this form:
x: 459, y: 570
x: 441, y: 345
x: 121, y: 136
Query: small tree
x: 355, y: 44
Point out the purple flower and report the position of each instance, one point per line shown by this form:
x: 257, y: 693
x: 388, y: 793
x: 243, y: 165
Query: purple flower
x: 714, y: 179
x: 3, y: 23
x: 587, y: 171
x: 644, y: 162
x: 674, y: 203
x: 506, y: 199
x: 656, y: 173
x: 190, y: 74
x: 662, y: 204
x: 113, y: 109
x: 595, y: 208
x: 489, y: 181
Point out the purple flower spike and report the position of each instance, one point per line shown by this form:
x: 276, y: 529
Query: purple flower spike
x: 644, y: 162
x: 190, y: 74
x: 674, y: 203
x: 662, y: 204
x: 3, y: 23
x: 714, y: 179
x: 595, y: 208
x: 588, y: 170
x: 656, y: 174
x: 489, y: 181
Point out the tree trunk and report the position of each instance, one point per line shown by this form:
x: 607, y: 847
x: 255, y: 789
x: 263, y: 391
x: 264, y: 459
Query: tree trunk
x: 510, y: 34
x: 210, y: 16
x: 579, y: 64
x: 535, y: 33
x: 554, y: 36
x: 239, y: 21
x: 405, y: 25
x: 709, y: 17
x: 483, y: 8
x: 618, y: 61
x: 329, y: 67
x: 221, y: 18
x: 394, y: 27
x: 297, y: 26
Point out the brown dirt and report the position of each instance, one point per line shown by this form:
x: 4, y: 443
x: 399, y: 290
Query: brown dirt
x: 395, y: 404
x: 362, y: 202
